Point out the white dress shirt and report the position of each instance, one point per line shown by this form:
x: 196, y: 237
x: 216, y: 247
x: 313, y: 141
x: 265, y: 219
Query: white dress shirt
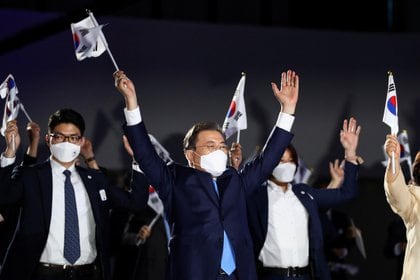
x: 287, y: 240
x: 54, y: 248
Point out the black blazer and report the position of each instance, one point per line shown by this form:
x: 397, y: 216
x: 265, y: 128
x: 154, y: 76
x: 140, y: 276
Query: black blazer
x: 30, y: 187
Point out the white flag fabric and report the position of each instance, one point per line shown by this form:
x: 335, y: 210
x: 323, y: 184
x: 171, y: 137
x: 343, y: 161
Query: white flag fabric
x: 405, y: 147
x: 405, y: 154
x: 87, y: 39
x: 391, y: 106
x: 303, y: 173
x: 154, y: 201
x: 236, y: 116
x: 8, y: 90
x: 160, y: 150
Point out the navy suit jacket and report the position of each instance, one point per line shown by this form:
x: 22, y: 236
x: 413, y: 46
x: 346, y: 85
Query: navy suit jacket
x: 30, y: 187
x: 312, y: 199
x: 198, y: 215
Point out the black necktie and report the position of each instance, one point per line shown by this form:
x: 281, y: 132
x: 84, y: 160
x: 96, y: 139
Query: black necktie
x: 71, y: 224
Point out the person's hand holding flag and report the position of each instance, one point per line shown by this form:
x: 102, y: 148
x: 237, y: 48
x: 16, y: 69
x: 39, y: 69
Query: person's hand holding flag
x: 12, y: 139
x: 390, y: 116
x: 126, y: 87
x: 393, y: 150
x: 235, y: 155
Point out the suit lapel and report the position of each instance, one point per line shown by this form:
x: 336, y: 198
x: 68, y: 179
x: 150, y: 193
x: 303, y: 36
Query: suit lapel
x: 222, y: 182
x: 92, y: 191
x: 305, y: 198
x: 44, y: 174
x: 207, y: 184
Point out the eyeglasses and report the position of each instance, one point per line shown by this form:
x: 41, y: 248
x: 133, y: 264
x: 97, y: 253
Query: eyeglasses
x: 211, y: 147
x: 60, y: 138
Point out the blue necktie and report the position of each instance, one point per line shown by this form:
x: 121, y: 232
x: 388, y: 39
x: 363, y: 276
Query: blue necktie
x: 71, y: 222
x: 228, y: 259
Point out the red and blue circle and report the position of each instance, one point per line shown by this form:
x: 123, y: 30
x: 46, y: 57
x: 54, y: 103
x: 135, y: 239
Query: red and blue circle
x: 76, y: 40
x: 392, y: 105
x: 232, y: 109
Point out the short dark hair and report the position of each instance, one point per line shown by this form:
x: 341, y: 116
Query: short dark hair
x: 190, y: 139
x: 66, y: 116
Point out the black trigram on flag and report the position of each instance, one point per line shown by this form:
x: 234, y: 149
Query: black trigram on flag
x: 391, y: 87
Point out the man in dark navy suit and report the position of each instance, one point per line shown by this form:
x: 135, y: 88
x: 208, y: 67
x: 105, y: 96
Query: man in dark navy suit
x: 63, y: 231
x: 206, y: 202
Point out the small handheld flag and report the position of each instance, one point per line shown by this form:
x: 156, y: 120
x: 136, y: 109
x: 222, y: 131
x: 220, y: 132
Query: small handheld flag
x: 86, y: 39
x: 156, y: 204
x: 236, y: 119
x: 89, y: 40
x: 9, y: 91
x: 154, y: 201
x: 390, y: 116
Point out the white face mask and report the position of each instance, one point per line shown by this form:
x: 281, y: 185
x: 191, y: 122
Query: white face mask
x: 65, y: 152
x: 214, y: 163
x: 284, y: 172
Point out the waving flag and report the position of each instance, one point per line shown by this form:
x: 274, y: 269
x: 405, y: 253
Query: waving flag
x: 8, y: 90
x: 405, y: 147
x: 87, y: 39
x: 405, y: 154
x: 160, y: 150
x: 236, y: 116
x: 391, y: 106
x: 303, y: 173
x: 154, y: 201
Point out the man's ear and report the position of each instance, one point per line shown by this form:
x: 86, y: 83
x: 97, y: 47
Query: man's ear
x: 47, y: 140
x: 189, y: 156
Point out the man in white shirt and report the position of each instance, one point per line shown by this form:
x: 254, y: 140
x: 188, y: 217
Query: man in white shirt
x: 284, y: 217
x: 63, y: 232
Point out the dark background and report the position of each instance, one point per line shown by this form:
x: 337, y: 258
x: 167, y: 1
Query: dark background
x: 186, y: 58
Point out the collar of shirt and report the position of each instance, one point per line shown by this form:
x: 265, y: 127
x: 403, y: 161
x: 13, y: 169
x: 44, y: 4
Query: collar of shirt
x: 274, y: 187
x: 56, y: 167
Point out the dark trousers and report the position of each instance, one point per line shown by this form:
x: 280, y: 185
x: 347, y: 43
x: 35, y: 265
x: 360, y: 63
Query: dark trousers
x: 47, y: 273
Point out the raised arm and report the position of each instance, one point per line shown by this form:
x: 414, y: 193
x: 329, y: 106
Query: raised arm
x: 392, y: 149
x: 86, y: 150
x: 12, y: 138
x: 336, y: 174
x: 34, y: 131
x: 349, y: 138
x: 142, y: 149
x: 261, y: 168
x: 288, y: 93
x: 10, y: 191
x: 126, y: 87
x: 396, y: 191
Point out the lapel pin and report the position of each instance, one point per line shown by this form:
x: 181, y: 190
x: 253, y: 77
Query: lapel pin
x: 102, y: 194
